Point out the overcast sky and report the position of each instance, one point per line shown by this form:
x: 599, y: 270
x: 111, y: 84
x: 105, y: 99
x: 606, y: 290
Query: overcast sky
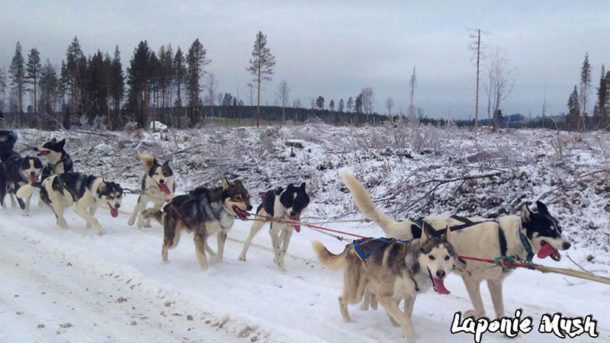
x: 335, y: 49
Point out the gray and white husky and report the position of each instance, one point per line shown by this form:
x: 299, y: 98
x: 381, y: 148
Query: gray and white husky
x: 535, y: 231
x: 157, y: 187
x: 391, y: 270
x: 280, y: 203
x: 86, y: 192
x: 203, y: 211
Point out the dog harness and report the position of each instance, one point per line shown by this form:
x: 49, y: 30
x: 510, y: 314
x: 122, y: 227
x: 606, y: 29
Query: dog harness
x: 526, y: 244
x: 380, y: 242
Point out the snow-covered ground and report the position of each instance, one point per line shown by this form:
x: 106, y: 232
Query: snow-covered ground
x: 73, y: 285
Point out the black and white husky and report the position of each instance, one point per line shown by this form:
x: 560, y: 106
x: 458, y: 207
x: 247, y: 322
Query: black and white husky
x: 86, y: 192
x: 59, y: 161
x: 535, y: 231
x: 280, y: 203
x: 18, y: 171
x: 157, y: 187
x: 391, y: 270
x: 203, y: 211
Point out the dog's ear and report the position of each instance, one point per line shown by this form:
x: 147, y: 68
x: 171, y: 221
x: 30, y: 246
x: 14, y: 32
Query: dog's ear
x: 526, y: 213
x: 303, y: 186
x: 542, y: 207
x: 101, y: 189
x: 447, y: 233
x: 61, y: 143
x: 166, y: 163
x: 425, y: 236
x: 225, y: 183
x: 53, y: 140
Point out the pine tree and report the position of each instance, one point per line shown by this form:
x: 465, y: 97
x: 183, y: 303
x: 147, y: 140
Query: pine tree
x: 73, y: 74
x: 195, y: 61
x: 341, y: 105
x: 179, y: 75
x: 48, y: 88
x: 350, y: 104
x: 320, y: 102
x: 261, y: 67
x: 117, y: 84
x: 138, y: 77
x: 331, y: 105
x: 17, y: 75
x: 33, y: 74
x: 603, y: 93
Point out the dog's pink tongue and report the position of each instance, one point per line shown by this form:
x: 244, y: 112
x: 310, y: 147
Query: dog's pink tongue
x: 546, y: 250
x: 33, y: 179
x: 114, y: 212
x: 164, y: 188
x: 439, y: 286
x: 296, y: 218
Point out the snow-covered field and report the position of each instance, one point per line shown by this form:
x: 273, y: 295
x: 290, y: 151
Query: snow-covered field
x: 72, y: 285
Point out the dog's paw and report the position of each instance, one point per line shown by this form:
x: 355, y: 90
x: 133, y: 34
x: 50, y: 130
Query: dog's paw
x: 25, y: 213
x: 100, y: 231
x: 147, y: 225
x: 88, y: 226
x: 62, y: 224
x: 242, y: 258
x: 131, y: 221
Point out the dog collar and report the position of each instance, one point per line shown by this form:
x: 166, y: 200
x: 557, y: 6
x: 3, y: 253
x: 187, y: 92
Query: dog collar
x: 526, y: 244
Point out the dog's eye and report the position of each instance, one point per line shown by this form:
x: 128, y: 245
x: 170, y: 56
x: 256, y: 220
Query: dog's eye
x: 238, y: 198
x: 431, y: 257
x: 446, y: 257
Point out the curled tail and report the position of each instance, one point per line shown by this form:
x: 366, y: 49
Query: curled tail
x: 330, y: 260
x: 147, y: 160
x: 154, y: 214
x: 364, y: 203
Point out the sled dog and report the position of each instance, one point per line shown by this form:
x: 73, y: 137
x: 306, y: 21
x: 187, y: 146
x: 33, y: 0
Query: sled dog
x: 157, y: 187
x: 392, y: 270
x: 18, y: 171
x: 86, y: 192
x: 59, y: 161
x: 280, y: 203
x: 204, y: 212
x: 535, y: 231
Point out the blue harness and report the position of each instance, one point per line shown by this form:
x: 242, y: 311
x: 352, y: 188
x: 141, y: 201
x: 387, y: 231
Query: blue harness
x: 380, y: 242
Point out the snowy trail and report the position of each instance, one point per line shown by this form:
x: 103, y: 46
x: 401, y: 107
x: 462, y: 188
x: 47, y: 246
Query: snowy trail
x: 116, y: 289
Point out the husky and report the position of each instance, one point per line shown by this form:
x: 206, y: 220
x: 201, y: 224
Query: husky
x: 392, y: 270
x: 17, y: 172
x: 157, y: 186
x: 204, y: 212
x: 535, y: 231
x: 86, y: 192
x: 59, y: 161
x: 280, y: 203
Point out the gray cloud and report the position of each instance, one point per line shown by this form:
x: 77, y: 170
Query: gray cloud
x: 336, y: 49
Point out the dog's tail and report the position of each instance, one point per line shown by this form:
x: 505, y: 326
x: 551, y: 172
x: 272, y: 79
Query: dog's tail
x: 154, y: 214
x: 330, y: 260
x: 365, y: 203
x: 147, y: 160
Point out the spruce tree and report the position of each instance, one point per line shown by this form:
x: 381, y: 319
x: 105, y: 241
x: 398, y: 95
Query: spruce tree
x: 179, y: 75
x: 138, y: 77
x: 117, y: 84
x: 195, y: 61
x: 585, y: 83
x: 2, y: 88
x: 33, y: 74
x: 17, y: 75
x: 48, y: 88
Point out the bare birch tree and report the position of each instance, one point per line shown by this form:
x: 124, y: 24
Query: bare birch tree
x: 282, y: 93
x: 501, y: 82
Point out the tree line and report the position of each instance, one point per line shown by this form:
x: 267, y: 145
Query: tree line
x: 162, y: 85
